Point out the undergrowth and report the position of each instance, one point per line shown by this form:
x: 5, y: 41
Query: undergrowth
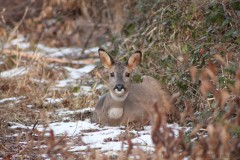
x: 192, y: 47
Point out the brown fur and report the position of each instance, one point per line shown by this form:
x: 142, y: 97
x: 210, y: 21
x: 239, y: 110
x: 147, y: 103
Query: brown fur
x: 140, y: 97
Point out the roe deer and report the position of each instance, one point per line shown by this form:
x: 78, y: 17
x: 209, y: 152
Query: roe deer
x: 128, y: 103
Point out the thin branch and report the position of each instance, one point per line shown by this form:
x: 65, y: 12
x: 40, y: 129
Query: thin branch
x: 12, y: 34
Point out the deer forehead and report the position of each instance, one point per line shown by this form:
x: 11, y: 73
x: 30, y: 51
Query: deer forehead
x: 120, y: 67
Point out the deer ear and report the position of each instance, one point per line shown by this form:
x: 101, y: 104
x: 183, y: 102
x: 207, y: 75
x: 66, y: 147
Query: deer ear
x: 106, y: 59
x: 134, y: 60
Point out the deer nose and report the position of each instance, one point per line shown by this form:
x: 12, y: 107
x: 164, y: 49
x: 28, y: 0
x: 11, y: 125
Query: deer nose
x: 119, y: 87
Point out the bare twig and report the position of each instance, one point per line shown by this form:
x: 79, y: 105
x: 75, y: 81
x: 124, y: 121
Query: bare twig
x: 130, y: 146
x: 12, y: 34
x: 94, y: 28
x: 89, y: 37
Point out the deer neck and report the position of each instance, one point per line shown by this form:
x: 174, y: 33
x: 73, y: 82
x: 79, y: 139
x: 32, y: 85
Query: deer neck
x: 115, y: 110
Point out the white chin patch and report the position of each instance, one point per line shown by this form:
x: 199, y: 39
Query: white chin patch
x: 119, y: 92
x: 115, y: 97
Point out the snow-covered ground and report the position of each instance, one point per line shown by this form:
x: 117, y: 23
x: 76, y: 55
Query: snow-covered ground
x: 105, y: 138
x: 94, y: 136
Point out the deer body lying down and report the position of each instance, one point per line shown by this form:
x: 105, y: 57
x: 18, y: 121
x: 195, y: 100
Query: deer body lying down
x: 128, y: 103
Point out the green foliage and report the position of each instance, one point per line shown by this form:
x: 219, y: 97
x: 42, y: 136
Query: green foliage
x: 235, y: 5
x: 235, y: 131
x: 193, y: 30
x: 215, y: 14
x: 187, y: 138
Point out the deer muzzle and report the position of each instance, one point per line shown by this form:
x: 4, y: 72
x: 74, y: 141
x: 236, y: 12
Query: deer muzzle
x: 119, y: 89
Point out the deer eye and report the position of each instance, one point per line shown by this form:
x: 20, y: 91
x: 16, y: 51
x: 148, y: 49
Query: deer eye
x: 112, y: 74
x: 127, y: 74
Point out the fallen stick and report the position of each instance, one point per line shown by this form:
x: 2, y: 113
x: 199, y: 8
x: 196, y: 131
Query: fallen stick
x: 38, y: 57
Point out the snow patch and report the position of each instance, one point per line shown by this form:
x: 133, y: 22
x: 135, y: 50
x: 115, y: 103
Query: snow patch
x: 53, y: 100
x: 104, y: 138
x: 14, y: 72
x: 15, y: 125
x: 11, y: 99
x: 69, y: 128
x: 77, y: 73
x: 91, y: 50
x: 64, y: 83
x: 20, y: 42
x: 65, y: 112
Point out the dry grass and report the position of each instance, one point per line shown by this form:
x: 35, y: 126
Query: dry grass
x: 31, y: 90
x: 185, y: 47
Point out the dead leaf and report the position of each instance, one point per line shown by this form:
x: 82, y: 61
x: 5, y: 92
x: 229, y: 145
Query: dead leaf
x: 221, y: 97
x: 212, y: 72
x: 220, y: 59
x: 202, y: 51
x: 193, y: 72
x: 205, y: 87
